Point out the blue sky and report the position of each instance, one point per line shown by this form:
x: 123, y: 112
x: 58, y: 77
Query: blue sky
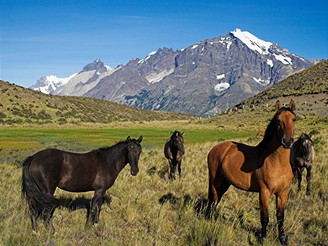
x: 59, y: 37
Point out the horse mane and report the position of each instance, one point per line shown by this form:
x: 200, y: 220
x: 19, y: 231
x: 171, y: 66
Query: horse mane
x: 271, y: 128
x: 175, y: 133
x: 112, y: 153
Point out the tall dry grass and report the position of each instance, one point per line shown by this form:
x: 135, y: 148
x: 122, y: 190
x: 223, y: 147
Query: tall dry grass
x: 151, y: 210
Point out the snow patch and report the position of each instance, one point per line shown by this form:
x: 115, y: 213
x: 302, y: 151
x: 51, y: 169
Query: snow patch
x: 222, y: 86
x: 270, y: 62
x: 194, y: 46
x: 221, y: 76
x: 108, y: 67
x: 283, y: 59
x: 262, y: 81
x: 252, y: 42
x: 147, y: 57
x: 226, y: 41
x: 157, y: 77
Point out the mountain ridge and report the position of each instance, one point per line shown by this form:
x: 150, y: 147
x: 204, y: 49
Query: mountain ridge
x: 203, y: 79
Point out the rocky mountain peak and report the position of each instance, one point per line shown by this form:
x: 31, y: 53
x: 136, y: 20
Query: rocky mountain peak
x: 97, y: 65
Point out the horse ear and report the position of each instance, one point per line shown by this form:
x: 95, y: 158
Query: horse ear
x: 292, y: 105
x: 277, y: 105
x: 140, y: 139
x: 128, y: 138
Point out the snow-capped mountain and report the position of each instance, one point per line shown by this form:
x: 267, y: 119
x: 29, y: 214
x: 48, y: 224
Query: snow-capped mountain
x: 203, y: 79
x: 85, y: 80
x: 49, y: 84
x: 76, y: 84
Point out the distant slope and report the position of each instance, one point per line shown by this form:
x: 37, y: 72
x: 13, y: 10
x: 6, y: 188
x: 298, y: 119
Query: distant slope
x: 19, y: 105
x: 308, y: 88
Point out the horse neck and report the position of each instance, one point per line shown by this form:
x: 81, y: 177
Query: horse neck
x: 174, y: 150
x: 271, y: 148
x: 269, y: 145
x: 116, y: 157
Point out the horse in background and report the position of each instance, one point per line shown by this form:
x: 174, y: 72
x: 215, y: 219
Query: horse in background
x: 302, y: 156
x: 264, y: 168
x: 174, y: 151
x: 95, y: 171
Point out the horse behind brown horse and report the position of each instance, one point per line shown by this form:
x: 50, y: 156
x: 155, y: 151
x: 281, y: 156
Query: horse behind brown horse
x: 264, y: 168
x: 302, y: 156
x: 173, y: 151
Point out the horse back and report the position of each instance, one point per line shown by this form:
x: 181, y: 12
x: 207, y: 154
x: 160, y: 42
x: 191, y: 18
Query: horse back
x: 236, y: 163
x: 217, y: 154
x: 69, y: 171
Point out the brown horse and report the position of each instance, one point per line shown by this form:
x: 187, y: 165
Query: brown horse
x: 95, y: 171
x: 263, y: 168
x: 302, y: 156
x: 173, y: 151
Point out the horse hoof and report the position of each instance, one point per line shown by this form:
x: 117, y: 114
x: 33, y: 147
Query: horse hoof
x: 261, y: 240
x: 283, y: 240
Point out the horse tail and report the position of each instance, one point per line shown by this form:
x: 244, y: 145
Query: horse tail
x: 37, y: 200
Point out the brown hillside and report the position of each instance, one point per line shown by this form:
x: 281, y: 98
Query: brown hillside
x: 19, y: 105
x: 308, y: 88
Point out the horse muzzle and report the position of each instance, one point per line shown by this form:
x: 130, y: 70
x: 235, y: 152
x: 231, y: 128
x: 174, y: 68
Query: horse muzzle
x: 134, y: 171
x: 287, y: 142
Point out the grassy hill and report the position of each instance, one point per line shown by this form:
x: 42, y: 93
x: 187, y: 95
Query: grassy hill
x: 19, y: 105
x: 308, y: 88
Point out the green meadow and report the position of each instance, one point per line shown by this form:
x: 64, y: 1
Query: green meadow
x: 149, y: 209
x: 24, y: 140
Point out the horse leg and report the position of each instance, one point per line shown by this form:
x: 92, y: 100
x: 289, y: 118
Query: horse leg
x: 264, y: 204
x: 34, y: 216
x: 172, y: 169
x: 299, y: 177
x: 48, y: 213
x: 223, y: 188
x: 212, y: 198
x: 46, y: 206
x: 216, y: 190
x: 308, y: 179
x: 281, y: 199
x: 179, y: 168
x: 96, y: 203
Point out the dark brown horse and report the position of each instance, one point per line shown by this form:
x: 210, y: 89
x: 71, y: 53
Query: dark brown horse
x: 173, y: 151
x: 263, y: 168
x: 302, y: 156
x: 93, y: 171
